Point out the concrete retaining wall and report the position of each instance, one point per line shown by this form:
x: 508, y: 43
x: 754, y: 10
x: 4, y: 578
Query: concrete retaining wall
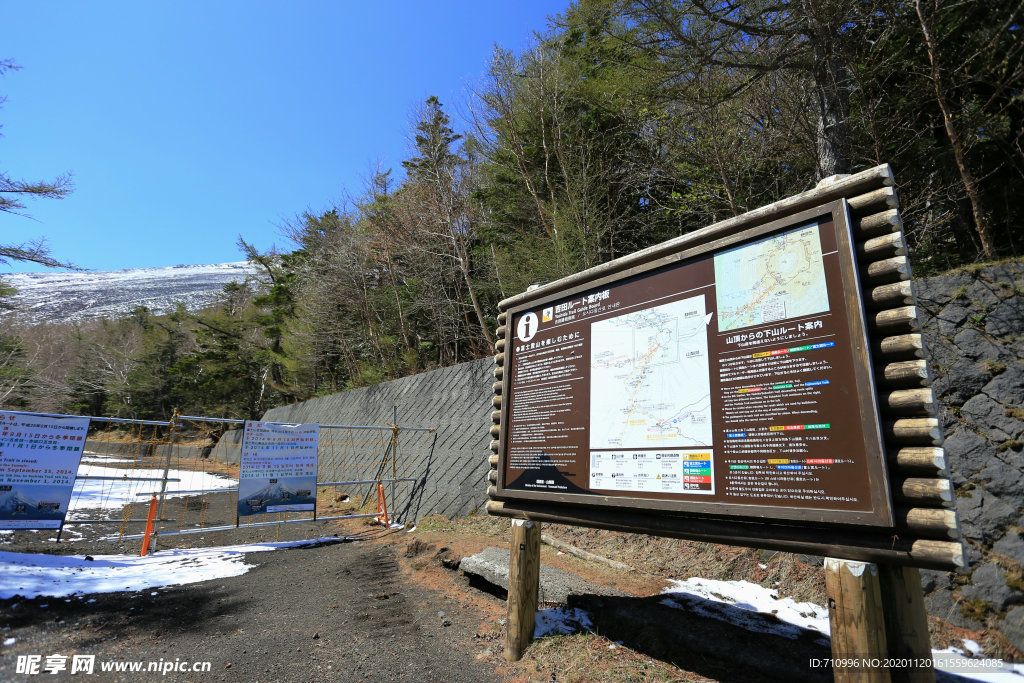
x: 449, y: 465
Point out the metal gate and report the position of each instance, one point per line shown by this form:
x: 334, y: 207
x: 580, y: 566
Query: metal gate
x: 182, y: 476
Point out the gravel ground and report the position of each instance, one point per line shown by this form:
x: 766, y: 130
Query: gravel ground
x: 337, y: 611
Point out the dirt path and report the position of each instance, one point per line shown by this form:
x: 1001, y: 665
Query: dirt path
x: 341, y: 612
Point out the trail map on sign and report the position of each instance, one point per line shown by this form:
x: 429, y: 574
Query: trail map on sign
x: 775, y: 278
x: 649, y: 378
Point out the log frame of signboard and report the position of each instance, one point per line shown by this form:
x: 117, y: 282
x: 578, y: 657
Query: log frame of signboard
x: 923, y: 530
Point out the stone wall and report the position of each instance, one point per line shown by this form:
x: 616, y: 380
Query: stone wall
x: 974, y: 331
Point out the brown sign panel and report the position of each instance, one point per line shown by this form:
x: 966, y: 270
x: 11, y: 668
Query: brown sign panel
x: 729, y: 379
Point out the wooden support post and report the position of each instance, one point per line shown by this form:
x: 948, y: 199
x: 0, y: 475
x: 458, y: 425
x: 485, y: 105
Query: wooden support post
x: 523, y: 587
x: 906, y: 622
x: 858, y: 626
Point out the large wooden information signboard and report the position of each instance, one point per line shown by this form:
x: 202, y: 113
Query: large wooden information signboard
x: 760, y: 382
x: 730, y: 379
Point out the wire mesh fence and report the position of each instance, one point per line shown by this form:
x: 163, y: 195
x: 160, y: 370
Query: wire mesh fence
x: 184, y: 474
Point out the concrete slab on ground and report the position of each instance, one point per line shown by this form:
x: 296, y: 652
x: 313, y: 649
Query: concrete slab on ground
x: 491, y: 565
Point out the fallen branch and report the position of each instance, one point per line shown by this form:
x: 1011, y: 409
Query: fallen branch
x: 583, y: 554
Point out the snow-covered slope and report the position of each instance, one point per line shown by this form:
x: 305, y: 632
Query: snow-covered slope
x: 62, y: 297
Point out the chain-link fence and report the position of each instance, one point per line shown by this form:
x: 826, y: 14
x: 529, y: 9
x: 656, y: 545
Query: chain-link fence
x: 181, y: 476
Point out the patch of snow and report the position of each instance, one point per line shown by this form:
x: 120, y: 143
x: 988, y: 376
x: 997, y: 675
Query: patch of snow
x: 59, y: 296
x: 561, y: 621
x: 105, y: 494
x: 89, y: 456
x: 738, y: 597
x: 33, y: 575
x: 749, y: 597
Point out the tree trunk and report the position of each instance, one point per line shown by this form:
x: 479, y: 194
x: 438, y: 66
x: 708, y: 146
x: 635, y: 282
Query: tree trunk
x: 988, y: 246
x: 831, y: 89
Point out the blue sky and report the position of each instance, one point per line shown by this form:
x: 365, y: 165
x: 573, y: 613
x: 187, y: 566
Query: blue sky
x: 187, y: 124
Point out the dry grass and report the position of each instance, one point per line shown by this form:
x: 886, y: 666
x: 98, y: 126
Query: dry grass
x: 582, y: 657
x: 677, y: 559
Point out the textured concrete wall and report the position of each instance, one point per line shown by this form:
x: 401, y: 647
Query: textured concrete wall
x: 449, y: 465
x: 229, y: 447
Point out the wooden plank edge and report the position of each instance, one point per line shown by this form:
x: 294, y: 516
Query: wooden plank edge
x: 885, y: 271
x: 920, y: 459
x: 881, y: 247
x: 906, y: 373
x: 919, y: 431
x: 893, y: 321
x: 899, y: 347
x: 892, y: 295
x: 924, y: 491
x: 875, y: 201
x: 876, y: 224
x: 909, y: 402
x: 882, y: 546
x: 929, y: 522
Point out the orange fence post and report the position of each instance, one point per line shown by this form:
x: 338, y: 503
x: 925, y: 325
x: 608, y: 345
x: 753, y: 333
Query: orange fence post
x: 382, y: 505
x: 149, y: 526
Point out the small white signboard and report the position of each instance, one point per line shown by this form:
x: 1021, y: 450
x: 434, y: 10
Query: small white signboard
x: 39, y: 459
x: 278, y: 468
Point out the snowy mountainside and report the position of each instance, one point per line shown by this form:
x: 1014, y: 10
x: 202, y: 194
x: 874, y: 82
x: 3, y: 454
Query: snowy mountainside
x: 70, y: 297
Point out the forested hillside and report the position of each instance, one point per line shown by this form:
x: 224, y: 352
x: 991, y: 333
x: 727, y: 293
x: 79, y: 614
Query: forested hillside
x: 627, y: 123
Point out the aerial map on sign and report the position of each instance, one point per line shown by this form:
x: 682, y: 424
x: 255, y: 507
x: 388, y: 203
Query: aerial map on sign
x: 775, y: 278
x: 649, y: 378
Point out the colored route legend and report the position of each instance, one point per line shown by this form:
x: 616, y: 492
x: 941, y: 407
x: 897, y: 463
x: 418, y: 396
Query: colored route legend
x: 670, y: 471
